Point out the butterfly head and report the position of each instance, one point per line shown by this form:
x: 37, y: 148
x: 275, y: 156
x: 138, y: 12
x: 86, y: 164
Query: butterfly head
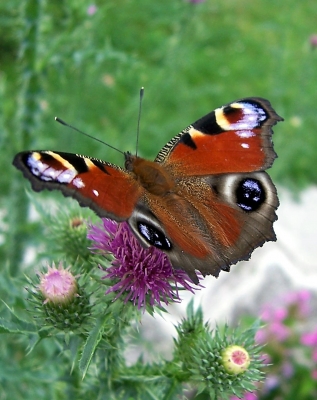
x: 129, y: 161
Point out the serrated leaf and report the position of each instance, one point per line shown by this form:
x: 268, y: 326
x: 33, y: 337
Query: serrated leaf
x: 17, y: 326
x: 91, y: 345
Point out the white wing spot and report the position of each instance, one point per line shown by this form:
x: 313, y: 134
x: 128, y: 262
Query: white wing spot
x: 95, y: 192
x: 78, y: 182
x: 245, y: 134
x: 64, y: 176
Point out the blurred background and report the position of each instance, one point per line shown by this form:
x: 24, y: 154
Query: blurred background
x: 85, y: 62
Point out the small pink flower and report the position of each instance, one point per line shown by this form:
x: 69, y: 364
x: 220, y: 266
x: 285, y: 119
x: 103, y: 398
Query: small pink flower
x: 287, y: 369
x: 270, y: 314
x: 261, y: 336
x: 139, y: 272
x: 313, y: 40
x: 309, y: 338
x: 314, y: 374
x: 304, y: 302
x: 266, y: 314
x: 273, y: 330
x: 250, y: 396
x: 265, y: 358
x: 279, y: 331
x: 271, y: 382
x: 58, y: 285
x: 301, y: 299
x: 92, y: 9
x: 246, y: 396
x: 280, y: 314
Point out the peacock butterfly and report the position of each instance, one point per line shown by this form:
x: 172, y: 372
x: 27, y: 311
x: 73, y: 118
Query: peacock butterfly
x: 206, y: 200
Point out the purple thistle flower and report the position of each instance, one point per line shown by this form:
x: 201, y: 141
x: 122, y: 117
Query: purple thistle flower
x: 140, y: 272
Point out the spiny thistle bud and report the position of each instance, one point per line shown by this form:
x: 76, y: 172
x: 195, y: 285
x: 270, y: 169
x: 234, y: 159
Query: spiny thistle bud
x: 59, y: 300
x: 58, y: 285
x: 68, y: 234
x: 220, y: 363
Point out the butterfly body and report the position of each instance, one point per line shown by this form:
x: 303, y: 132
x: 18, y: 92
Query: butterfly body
x: 152, y: 176
x: 206, y: 200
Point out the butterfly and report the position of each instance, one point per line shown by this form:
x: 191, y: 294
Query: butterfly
x: 206, y: 200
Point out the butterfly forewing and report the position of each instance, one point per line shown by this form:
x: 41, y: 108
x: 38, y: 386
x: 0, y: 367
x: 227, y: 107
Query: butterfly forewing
x: 234, y: 138
x: 107, y: 189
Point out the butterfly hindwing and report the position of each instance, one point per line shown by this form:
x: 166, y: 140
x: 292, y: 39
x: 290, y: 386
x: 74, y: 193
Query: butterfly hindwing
x: 215, y: 220
x: 107, y: 189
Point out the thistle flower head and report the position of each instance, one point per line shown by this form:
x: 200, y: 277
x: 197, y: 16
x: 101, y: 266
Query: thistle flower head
x: 59, y: 302
x: 140, y: 273
x: 221, y: 362
x: 57, y: 285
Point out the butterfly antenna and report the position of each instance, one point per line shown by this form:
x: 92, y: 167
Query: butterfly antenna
x: 139, y: 119
x: 86, y: 134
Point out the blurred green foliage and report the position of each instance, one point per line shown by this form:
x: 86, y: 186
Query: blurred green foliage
x: 86, y: 63
x: 191, y: 58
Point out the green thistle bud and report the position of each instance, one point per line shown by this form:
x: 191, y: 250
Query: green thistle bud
x: 219, y: 362
x: 67, y: 230
x: 59, y: 301
x: 68, y: 234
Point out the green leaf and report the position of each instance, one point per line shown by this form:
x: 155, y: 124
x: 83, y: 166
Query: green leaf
x: 91, y: 345
x: 17, y: 326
